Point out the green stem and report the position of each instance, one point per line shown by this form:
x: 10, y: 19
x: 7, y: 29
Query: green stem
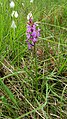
x: 35, y: 57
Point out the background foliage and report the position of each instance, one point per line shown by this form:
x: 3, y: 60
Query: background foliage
x: 33, y: 87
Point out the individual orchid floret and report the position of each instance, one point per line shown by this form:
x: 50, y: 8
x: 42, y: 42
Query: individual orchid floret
x: 13, y: 25
x: 12, y: 4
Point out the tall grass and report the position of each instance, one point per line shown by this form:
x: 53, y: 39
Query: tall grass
x: 33, y: 87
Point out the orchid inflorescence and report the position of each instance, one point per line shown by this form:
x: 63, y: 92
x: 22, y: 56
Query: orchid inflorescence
x: 33, y: 31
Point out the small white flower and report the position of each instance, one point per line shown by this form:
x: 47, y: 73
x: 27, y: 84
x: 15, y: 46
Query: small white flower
x: 31, y: 1
x: 15, y: 14
x: 12, y: 4
x: 29, y: 16
x: 22, y: 4
x: 13, y: 25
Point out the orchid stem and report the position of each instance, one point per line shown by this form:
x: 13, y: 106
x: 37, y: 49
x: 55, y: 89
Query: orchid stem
x: 35, y: 65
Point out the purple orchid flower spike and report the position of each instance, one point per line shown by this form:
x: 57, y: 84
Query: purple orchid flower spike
x: 33, y: 31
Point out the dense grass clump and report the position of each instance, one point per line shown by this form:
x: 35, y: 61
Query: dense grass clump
x: 33, y: 83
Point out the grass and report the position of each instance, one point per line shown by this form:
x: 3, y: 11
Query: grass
x: 33, y: 87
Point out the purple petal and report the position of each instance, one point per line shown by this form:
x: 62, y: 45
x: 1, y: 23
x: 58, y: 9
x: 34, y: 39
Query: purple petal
x: 34, y: 27
x: 28, y: 28
x: 38, y: 32
x: 35, y: 40
x: 34, y: 33
x: 29, y: 46
x: 28, y: 35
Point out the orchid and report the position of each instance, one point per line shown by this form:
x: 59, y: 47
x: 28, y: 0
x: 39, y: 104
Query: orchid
x: 32, y: 33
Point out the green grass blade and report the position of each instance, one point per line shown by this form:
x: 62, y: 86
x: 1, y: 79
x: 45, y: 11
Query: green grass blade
x: 8, y: 92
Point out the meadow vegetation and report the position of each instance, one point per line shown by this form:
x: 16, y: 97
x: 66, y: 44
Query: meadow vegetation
x: 33, y: 83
